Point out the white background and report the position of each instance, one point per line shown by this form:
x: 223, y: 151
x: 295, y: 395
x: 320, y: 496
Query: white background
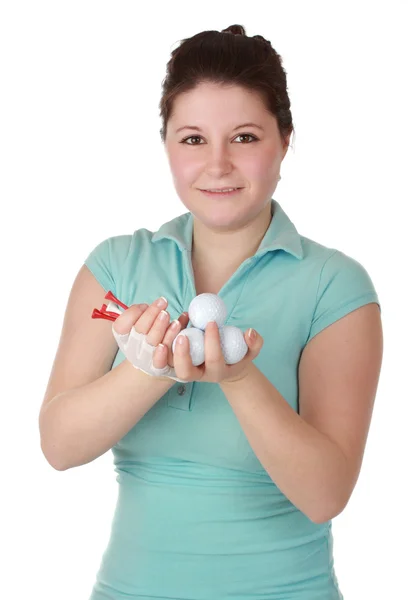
x: 81, y: 160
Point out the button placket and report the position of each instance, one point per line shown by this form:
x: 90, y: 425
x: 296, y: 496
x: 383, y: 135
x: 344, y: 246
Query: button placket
x: 179, y: 396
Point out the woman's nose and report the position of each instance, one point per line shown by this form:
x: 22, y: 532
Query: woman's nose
x: 219, y: 158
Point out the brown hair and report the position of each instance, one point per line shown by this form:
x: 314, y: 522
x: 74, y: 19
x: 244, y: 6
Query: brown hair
x: 228, y: 57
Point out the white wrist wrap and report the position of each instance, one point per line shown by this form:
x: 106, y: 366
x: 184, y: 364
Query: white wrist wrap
x: 140, y: 353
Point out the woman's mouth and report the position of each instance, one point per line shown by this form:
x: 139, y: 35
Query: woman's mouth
x: 221, y: 193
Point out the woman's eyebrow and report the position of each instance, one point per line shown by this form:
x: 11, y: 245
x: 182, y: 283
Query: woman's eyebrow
x: 238, y: 127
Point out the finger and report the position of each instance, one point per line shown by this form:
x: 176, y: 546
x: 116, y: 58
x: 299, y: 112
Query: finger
x: 182, y: 359
x: 123, y: 323
x: 159, y: 328
x: 146, y: 321
x: 164, y: 355
x: 160, y: 356
x: 214, y: 358
x: 254, y: 344
x: 172, y: 331
x: 184, y: 319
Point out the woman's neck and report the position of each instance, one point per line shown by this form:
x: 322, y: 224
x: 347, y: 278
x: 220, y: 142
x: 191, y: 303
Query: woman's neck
x: 224, y: 252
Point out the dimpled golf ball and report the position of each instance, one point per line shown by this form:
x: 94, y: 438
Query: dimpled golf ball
x: 233, y: 344
x: 205, y: 308
x: 196, y: 341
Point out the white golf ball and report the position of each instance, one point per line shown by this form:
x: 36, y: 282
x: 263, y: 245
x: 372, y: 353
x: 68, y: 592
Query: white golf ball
x: 196, y: 340
x: 233, y: 344
x: 205, y: 308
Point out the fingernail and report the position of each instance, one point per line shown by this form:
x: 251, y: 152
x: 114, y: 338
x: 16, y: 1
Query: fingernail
x: 161, y: 347
x: 181, y: 339
x: 175, y: 325
x: 252, y: 334
x: 161, y: 302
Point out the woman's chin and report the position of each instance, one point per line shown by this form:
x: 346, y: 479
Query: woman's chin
x: 219, y: 218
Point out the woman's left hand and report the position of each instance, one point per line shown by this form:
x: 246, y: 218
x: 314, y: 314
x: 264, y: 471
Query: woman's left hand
x: 213, y: 369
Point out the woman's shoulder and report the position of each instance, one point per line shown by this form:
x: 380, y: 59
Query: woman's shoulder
x: 108, y: 257
x: 330, y: 259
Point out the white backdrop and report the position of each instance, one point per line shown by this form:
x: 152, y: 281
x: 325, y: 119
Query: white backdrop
x: 82, y: 160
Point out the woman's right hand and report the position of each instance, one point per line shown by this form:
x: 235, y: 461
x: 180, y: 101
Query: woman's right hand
x: 147, y: 320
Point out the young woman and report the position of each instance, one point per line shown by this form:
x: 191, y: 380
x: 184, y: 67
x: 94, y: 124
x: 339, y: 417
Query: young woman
x: 229, y: 476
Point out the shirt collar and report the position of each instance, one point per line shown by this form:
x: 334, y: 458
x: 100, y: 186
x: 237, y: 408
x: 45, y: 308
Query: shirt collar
x: 280, y: 235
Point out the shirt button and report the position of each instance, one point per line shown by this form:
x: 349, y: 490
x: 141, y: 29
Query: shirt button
x: 181, y: 389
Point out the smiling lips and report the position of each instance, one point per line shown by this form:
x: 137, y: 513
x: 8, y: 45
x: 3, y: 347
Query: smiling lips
x: 222, y: 193
x: 226, y: 188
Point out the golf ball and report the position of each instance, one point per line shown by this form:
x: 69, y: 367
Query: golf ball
x: 233, y: 344
x: 205, y: 308
x: 196, y: 341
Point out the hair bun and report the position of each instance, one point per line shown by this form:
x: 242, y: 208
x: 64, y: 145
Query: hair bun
x: 262, y: 39
x: 236, y: 29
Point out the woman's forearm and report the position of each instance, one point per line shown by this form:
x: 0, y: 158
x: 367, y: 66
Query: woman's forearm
x: 308, y: 467
x: 81, y: 424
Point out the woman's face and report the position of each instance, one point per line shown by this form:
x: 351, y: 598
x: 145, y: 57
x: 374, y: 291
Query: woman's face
x: 217, y: 152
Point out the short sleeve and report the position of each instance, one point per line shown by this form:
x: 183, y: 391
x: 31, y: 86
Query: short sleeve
x: 344, y: 286
x: 107, y: 259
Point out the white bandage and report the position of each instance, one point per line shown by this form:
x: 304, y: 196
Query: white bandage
x: 139, y: 352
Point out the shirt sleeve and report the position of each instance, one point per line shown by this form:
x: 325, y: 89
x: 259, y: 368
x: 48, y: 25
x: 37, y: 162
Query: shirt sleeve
x: 344, y: 286
x: 106, y: 261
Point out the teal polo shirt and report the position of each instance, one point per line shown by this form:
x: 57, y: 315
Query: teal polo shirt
x: 197, y: 516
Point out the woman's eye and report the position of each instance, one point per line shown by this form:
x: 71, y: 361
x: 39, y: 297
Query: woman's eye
x: 197, y: 137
